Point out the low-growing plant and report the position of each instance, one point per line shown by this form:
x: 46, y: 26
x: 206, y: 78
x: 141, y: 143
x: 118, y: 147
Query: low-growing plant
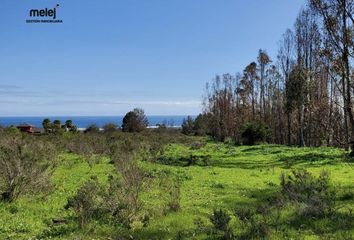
x: 220, y: 220
x: 110, y: 128
x: 86, y: 201
x: 24, y: 165
x: 200, y: 226
x: 123, y: 198
x: 244, y: 214
x: 347, y: 195
x: 315, y: 193
x: 175, y: 196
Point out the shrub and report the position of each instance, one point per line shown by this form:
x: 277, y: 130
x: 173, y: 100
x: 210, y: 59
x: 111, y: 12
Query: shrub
x: 110, y: 127
x: 254, y: 132
x: 123, y: 198
x: 256, y: 228
x: 93, y: 128
x: 91, y: 146
x: 85, y: 201
x: 24, y: 164
x: 175, y: 196
x: 244, y: 214
x: 315, y: 193
x: 220, y: 220
x: 200, y: 225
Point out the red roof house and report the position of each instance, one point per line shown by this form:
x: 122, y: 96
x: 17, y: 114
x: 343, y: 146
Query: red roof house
x: 25, y: 127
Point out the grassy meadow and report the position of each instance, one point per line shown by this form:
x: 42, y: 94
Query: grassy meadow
x: 210, y: 176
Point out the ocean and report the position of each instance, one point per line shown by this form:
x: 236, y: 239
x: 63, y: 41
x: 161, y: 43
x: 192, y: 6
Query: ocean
x: 85, y: 121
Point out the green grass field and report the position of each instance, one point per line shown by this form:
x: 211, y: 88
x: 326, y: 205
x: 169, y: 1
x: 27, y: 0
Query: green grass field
x: 220, y: 177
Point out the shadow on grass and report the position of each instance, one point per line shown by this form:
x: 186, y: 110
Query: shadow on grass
x: 185, y: 161
x: 305, y: 160
x: 153, y: 234
x: 264, y: 148
x: 338, y: 221
x: 252, y: 198
x: 289, y: 159
x: 264, y: 165
x: 312, y: 159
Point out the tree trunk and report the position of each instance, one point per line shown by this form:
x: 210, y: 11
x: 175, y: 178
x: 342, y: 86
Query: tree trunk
x: 289, y: 128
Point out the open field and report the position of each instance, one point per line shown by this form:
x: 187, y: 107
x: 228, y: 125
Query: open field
x: 220, y: 176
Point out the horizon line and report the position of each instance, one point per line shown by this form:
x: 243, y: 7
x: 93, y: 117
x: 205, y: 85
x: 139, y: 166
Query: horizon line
x: 118, y: 115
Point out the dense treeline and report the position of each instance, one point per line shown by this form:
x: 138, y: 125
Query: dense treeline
x: 304, y: 96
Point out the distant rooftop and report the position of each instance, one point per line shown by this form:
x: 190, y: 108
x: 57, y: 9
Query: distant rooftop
x: 25, y: 125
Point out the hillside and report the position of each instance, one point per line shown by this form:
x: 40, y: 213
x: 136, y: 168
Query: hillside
x: 209, y: 175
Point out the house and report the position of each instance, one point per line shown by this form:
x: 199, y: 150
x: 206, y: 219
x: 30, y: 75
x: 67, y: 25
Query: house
x: 26, y: 127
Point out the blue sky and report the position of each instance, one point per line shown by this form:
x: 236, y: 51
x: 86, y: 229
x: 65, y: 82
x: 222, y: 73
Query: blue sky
x: 110, y: 56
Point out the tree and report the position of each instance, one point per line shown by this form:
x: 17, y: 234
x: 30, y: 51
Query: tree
x: 338, y: 22
x: 263, y: 61
x: 220, y: 103
x: 295, y: 97
x: 202, y: 124
x: 56, y: 127
x: 286, y: 61
x: 46, y: 125
x: 188, y: 126
x: 57, y: 124
x: 135, y: 121
x: 309, y: 89
x: 69, y: 124
x: 250, y: 77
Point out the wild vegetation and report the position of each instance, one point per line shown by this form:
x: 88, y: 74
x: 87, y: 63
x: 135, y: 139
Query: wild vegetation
x: 246, y: 168
x: 161, y: 184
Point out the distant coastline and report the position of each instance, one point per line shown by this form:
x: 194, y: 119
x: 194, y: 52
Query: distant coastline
x: 84, y: 121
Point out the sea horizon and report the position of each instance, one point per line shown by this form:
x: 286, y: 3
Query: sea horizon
x: 85, y: 121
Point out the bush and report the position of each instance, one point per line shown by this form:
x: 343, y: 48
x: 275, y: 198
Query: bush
x: 123, y: 198
x: 220, y: 220
x: 24, y: 164
x: 255, y: 227
x: 254, y: 132
x: 93, y: 128
x: 244, y: 214
x: 91, y: 146
x: 109, y: 128
x: 175, y: 197
x: 315, y: 193
x: 86, y: 201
